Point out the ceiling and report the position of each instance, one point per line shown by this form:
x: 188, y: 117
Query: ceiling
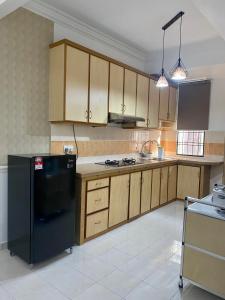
x: 139, y: 23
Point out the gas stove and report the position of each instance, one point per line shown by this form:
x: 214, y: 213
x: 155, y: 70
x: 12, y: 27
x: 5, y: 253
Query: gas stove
x: 119, y: 163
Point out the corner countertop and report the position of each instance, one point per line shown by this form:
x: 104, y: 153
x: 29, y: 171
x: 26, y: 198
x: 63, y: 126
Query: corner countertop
x: 88, y: 170
x: 207, y: 209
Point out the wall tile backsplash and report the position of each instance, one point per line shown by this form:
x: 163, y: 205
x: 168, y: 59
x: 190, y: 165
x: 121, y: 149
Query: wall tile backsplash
x: 100, y: 140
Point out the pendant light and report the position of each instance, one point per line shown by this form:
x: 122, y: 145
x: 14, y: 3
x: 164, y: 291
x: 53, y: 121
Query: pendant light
x: 179, y: 72
x: 162, y: 81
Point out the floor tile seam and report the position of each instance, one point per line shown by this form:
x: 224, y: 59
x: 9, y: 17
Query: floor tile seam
x: 122, y: 297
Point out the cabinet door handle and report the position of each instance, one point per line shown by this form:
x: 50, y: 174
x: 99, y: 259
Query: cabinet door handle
x: 97, y: 223
x: 97, y: 200
x: 86, y: 114
x: 124, y: 107
x: 90, y: 114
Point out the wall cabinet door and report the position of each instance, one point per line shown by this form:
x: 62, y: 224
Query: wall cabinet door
x: 130, y: 88
x: 146, y: 191
x: 155, y: 188
x: 172, y: 183
x: 142, y: 99
x: 77, y: 76
x: 56, y: 83
x: 172, y: 104
x: 164, y: 104
x: 98, y: 106
x: 119, y: 195
x: 164, y: 185
x: 188, y: 181
x: 135, y: 194
x: 153, y: 110
x: 116, y: 79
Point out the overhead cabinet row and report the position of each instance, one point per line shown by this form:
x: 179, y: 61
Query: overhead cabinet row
x: 85, y: 87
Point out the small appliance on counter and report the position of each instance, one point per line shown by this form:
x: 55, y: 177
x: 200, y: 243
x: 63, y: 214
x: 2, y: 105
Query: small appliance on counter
x: 41, y: 205
x: 218, y: 197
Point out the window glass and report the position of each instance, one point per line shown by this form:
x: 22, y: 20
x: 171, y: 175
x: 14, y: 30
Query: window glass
x: 190, y: 142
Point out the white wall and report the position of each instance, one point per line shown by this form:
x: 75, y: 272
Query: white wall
x: 3, y: 205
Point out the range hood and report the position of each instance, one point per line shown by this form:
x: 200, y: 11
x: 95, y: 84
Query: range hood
x: 124, y: 119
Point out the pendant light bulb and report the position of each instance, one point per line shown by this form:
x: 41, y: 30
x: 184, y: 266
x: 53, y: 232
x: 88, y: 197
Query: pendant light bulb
x: 179, y: 72
x: 162, y: 81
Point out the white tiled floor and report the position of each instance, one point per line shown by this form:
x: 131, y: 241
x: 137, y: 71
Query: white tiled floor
x: 137, y: 261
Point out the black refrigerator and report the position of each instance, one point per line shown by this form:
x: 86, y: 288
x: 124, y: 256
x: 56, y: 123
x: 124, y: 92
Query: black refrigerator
x: 41, y: 205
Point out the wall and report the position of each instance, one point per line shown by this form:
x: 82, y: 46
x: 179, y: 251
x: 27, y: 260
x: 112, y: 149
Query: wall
x: 24, y: 124
x: 3, y: 205
x: 24, y: 83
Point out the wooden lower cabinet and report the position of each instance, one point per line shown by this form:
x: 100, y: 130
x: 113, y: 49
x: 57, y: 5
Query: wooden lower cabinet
x: 172, y: 183
x: 135, y: 195
x: 164, y: 185
x: 156, y: 173
x: 146, y: 191
x: 188, y: 183
x: 119, y: 197
x: 113, y: 200
x: 97, y: 200
x: 96, y: 223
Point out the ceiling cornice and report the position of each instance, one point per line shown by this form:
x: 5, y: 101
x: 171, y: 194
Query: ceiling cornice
x: 77, y: 25
x: 9, y: 6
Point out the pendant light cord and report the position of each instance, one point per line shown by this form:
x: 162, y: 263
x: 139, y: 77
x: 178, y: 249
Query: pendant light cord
x: 163, y: 54
x: 180, y: 37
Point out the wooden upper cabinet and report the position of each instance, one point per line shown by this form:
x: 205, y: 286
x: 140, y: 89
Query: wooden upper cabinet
x: 153, y: 111
x: 130, y: 89
x: 77, y: 76
x: 56, y: 83
x: 116, y: 79
x: 142, y: 99
x: 98, y: 106
x: 119, y: 197
x: 172, y: 104
x: 164, y: 104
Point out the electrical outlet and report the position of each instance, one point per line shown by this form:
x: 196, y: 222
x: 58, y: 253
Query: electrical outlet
x: 68, y: 148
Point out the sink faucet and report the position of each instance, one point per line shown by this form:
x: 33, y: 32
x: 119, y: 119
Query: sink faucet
x: 142, y: 153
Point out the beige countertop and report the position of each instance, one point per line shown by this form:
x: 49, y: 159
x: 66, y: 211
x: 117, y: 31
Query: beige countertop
x: 89, y: 170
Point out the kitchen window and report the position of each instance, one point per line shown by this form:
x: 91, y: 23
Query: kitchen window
x: 190, y: 142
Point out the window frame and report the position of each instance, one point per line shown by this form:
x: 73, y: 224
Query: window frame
x: 199, y: 144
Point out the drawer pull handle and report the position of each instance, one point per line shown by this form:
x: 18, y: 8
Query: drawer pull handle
x: 97, y: 200
x: 97, y: 223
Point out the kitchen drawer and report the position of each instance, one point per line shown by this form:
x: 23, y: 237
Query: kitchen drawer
x: 206, y: 233
x: 97, y: 184
x: 96, y: 223
x: 205, y: 270
x: 97, y: 200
